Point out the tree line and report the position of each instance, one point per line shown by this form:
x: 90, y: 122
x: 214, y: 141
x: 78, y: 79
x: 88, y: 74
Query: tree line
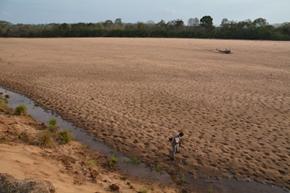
x: 258, y: 29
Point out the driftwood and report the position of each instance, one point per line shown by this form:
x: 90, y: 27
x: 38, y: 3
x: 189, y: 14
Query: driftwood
x: 224, y: 51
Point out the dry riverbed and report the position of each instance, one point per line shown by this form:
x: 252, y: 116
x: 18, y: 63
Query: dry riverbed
x: 135, y: 93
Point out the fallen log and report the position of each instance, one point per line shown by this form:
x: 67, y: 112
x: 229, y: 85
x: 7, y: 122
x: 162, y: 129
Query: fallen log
x: 224, y: 51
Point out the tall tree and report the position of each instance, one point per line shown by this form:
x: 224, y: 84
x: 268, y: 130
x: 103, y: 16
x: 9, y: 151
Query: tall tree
x: 193, y: 22
x: 206, y: 21
x: 176, y: 23
x: 108, y: 23
x: 161, y: 23
x: 140, y: 26
x: 260, y: 22
x: 118, y: 21
x: 225, y: 22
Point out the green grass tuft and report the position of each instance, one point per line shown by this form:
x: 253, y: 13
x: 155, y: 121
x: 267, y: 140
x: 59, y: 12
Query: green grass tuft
x: 64, y: 137
x: 135, y: 161
x: 52, y: 124
x: 20, y: 110
x: 158, y: 168
x: 112, y: 161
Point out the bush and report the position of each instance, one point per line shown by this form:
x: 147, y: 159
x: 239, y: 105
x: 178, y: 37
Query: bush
x: 45, y: 139
x: 52, y: 124
x: 181, y: 179
x: 3, y: 104
x: 64, y: 137
x: 134, y: 161
x: 20, y: 110
x: 158, y: 168
x: 112, y: 161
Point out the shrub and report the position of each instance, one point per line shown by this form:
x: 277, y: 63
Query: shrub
x: 114, y: 187
x: 112, y: 161
x: 52, y: 124
x: 20, y: 110
x: 181, y: 179
x: 3, y: 104
x: 158, y: 168
x: 45, y: 139
x: 64, y: 137
x: 135, y: 161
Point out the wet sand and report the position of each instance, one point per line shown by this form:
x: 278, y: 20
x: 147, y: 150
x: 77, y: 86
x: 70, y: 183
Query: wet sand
x: 135, y: 93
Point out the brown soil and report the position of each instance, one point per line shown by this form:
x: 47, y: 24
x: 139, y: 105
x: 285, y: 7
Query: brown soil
x: 135, y: 93
x: 69, y: 168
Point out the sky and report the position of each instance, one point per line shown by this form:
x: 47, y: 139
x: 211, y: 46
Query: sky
x: 73, y: 11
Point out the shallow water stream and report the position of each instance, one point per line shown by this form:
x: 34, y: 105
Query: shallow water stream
x: 138, y: 170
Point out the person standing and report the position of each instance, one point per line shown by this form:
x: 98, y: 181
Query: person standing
x: 175, y: 144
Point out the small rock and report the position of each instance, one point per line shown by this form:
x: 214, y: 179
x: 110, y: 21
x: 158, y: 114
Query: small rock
x: 42, y: 125
x: 114, y: 187
x: 123, y: 178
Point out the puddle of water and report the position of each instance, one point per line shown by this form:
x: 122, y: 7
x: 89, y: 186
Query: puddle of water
x: 141, y: 170
x: 42, y: 115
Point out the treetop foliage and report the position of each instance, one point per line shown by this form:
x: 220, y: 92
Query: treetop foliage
x: 196, y: 28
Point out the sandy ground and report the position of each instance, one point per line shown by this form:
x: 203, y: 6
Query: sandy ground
x: 71, y: 168
x: 135, y: 93
x: 26, y: 162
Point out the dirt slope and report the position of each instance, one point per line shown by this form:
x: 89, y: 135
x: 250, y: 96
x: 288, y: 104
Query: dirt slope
x: 71, y: 168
